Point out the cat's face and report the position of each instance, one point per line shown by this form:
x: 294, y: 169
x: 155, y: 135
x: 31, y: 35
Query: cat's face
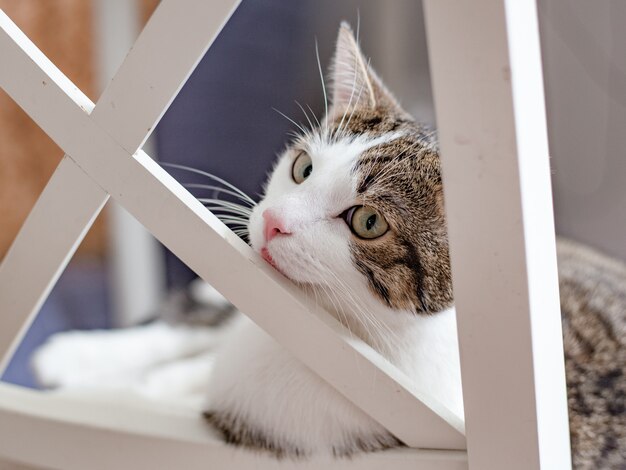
x: 358, y: 200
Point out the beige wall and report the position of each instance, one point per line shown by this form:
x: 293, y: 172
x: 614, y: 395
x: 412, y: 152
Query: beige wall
x: 584, y: 48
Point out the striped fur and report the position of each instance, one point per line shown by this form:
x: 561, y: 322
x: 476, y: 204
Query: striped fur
x: 593, y: 306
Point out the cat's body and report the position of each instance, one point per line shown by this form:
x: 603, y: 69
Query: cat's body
x: 593, y: 309
x: 284, y: 407
x: 353, y: 213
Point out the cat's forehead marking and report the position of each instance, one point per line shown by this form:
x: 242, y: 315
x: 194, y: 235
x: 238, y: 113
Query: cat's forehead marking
x: 373, y: 122
x: 348, y: 149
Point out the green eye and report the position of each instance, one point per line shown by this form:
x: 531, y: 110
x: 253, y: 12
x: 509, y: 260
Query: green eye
x: 366, y: 222
x: 302, y: 167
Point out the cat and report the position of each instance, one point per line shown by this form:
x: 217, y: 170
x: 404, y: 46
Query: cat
x: 353, y: 213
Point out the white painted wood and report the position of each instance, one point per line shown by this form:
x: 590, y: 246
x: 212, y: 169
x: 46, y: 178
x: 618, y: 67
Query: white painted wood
x: 199, y: 239
x: 488, y: 90
x: 71, y: 433
x: 135, y: 261
x: 43, y: 247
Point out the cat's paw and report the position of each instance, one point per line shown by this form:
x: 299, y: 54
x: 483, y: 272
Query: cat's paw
x: 72, y: 358
x: 116, y: 358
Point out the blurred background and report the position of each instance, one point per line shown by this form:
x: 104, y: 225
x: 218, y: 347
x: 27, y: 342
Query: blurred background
x: 223, y: 122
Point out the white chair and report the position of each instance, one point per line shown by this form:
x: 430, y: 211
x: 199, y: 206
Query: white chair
x: 489, y: 100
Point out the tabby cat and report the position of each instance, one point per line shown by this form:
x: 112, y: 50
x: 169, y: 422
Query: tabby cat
x: 353, y: 212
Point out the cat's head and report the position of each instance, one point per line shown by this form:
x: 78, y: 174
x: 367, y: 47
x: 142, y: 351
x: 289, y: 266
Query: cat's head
x: 358, y: 201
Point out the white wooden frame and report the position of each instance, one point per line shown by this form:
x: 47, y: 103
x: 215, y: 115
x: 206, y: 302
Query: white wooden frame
x: 523, y: 426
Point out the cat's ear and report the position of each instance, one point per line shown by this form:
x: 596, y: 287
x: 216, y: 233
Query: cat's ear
x: 354, y: 82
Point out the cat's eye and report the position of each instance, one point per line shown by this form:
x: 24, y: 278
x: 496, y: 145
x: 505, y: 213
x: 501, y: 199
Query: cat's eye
x: 366, y: 222
x: 302, y: 167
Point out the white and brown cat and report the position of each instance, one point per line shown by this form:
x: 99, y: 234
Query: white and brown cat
x: 353, y: 211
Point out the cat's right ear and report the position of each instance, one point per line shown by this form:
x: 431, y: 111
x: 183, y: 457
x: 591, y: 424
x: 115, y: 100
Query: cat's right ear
x: 354, y: 83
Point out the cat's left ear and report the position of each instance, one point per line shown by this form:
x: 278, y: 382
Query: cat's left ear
x: 354, y: 82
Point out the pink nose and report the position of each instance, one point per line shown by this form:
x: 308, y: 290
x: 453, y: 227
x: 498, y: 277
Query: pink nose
x: 274, y: 225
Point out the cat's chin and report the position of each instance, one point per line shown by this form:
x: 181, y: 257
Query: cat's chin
x: 278, y: 259
x: 265, y: 254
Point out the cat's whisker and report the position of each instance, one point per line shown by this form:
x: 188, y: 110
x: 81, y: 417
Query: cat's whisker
x: 319, y: 67
x: 339, y: 130
x: 226, y: 204
x: 299, y: 126
x: 227, y: 219
x: 237, y: 226
x: 317, y: 121
x: 320, y: 272
x: 223, y: 214
x: 295, y: 136
x: 209, y: 175
x: 234, y: 228
x: 360, y: 307
x: 306, y: 115
x: 228, y: 211
x: 341, y: 299
x: 338, y: 293
x: 219, y: 213
x: 361, y: 311
x: 332, y: 297
x: 219, y: 190
x: 311, y: 290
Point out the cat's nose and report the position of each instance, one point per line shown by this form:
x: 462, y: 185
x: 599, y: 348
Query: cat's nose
x: 274, y: 225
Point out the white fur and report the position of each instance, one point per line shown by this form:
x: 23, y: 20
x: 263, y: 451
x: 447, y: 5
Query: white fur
x: 157, y: 361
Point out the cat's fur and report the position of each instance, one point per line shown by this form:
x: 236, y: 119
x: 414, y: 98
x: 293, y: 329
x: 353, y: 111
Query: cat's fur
x: 593, y: 306
x: 394, y: 292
